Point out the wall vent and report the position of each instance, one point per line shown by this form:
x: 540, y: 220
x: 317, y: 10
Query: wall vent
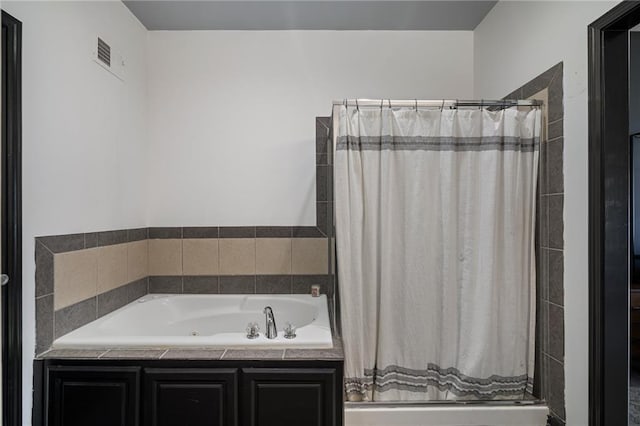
x: 108, y: 58
x: 104, y: 52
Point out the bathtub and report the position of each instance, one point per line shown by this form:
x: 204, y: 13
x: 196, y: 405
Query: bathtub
x: 205, y: 321
x: 527, y: 413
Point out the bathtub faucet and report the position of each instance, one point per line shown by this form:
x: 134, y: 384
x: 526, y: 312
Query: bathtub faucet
x: 271, y: 330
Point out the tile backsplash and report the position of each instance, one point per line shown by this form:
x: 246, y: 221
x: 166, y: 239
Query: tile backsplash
x: 81, y: 277
x: 79, y: 285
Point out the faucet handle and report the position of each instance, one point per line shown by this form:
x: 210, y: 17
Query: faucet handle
x: 289, y: 331
x: 253, y: 330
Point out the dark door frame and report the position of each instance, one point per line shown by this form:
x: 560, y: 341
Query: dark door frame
x: 11, y: 221
x: 609, y: 238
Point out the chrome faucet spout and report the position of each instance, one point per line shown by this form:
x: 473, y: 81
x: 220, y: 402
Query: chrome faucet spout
x: 271, y: 330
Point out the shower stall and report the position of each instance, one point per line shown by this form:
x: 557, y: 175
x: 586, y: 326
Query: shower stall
x: 435, y: 236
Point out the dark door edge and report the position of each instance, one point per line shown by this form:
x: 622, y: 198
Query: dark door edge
x: 12, y: 227
x: 609, y: 239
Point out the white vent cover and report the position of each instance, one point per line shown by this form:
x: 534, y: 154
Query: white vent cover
x: 108, y: 58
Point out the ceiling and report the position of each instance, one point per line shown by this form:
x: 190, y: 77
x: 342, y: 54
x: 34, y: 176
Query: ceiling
x: 393, y: 15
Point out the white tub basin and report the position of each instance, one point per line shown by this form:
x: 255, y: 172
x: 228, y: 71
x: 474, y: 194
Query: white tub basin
x: 205, y: 321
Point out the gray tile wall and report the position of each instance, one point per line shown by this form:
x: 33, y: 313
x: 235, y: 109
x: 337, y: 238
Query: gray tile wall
x: 52, y: 323
x: 549, y: 380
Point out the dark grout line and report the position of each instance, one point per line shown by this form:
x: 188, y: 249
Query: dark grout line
x: 45, y: 295
x: 554, y: 304
x: 553, y: 358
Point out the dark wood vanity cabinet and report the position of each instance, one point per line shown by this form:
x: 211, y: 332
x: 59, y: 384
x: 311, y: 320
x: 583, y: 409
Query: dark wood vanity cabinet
x: 190, y: 397
x: 189, y: 393
x: 288, y: 396
x: 97, y: 396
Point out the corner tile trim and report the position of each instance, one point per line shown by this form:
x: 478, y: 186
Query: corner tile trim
x: 57, y: 244
x: 549, y: 381
x: 73, y: 242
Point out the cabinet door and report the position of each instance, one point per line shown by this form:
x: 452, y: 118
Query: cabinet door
x: 190, y: 397
x: 96, y: 396
x: 300, y: 397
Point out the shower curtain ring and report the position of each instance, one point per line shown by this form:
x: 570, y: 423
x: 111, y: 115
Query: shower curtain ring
x: 442, y: 106
x: 416, y: 99
x: 357, y: 106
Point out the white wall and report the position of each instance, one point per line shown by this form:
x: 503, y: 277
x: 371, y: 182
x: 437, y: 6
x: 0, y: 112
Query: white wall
x: 516, y: 42
x: 232, y: 112
x: 84, y: 132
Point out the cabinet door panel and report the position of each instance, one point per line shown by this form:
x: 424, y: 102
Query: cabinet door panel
x: 97, y: 396
x: 190, y: 397
x: 300, y: 397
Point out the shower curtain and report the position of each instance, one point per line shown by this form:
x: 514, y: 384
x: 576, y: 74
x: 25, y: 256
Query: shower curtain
x: 435, y: 222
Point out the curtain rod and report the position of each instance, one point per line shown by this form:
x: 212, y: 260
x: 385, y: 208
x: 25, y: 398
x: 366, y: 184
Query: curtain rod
x: 442, y: 103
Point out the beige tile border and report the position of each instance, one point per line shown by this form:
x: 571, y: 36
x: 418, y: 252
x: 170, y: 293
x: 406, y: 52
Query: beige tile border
x: 237, y: 256
x: 75, y: 277
x: 112, y: 267
x: 137, y: 260
x: 273, y: 256
x: 165, y: 257
x: 310, y: 256
x: 200, y: 256
x: 82, y: 274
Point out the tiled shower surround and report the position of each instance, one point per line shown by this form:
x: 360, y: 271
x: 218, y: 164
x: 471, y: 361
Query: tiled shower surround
x: 81, y: 277
x: 549, y: 380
